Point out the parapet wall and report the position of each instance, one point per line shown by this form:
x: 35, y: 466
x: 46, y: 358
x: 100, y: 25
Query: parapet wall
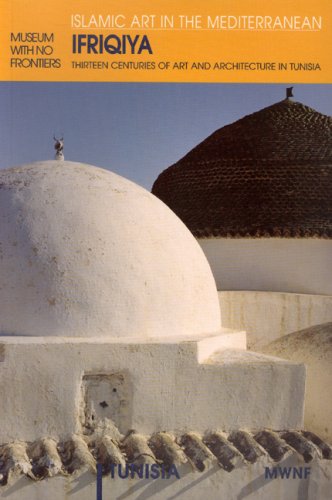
x: 296, y: 265
x: 267, y: 316
x: 56, y: 387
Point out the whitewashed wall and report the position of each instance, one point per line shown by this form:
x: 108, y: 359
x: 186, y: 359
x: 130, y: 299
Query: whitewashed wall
x: 267, y: 316
x: 271, y: 264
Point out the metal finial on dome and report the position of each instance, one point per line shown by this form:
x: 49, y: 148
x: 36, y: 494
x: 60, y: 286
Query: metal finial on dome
x: 58, y: 146
x: 289, y: 92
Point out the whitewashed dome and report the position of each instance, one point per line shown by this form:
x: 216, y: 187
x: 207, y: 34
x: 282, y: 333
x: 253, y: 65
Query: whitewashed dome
x: 313, y: 347
x: 85, y: 252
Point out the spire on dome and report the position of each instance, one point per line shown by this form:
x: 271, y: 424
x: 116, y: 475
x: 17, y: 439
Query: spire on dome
x: 289, y: 92
x: 58, y: 146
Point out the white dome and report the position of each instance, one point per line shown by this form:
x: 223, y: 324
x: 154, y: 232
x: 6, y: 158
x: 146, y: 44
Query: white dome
x: 85, y: 252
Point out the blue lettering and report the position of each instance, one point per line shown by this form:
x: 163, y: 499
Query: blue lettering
x: 137, y: 469
x: 145, y: 45
x: 112, y: 470
x: 99, y: 492
x: 120, y: 471
x: 154, y: 473
x: 285, y: 472
x: 163, y: 471
x: 144, y: 471
x: 112, y: 44
x: 132, y: 43
x: 297, y: 472
x: 93, y: 41
x: 307, y: 471
x: 109, y: 47
x: 271, y: 473
x: 173, y: 471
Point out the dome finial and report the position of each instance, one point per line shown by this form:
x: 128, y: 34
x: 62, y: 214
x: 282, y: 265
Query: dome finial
x: 58, y: 146
x: 289, y: 92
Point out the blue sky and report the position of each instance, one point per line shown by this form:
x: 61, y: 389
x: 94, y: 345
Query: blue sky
x: 136, y: 130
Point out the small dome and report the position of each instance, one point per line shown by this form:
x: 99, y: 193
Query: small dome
x: 85, y: 252
x: 268, y: 174
x: 313, y: 347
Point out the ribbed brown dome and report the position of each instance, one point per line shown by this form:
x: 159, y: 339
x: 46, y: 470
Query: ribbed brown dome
x: 268, y: 174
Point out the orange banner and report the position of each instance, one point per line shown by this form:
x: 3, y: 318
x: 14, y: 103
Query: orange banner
x: 166, y: 41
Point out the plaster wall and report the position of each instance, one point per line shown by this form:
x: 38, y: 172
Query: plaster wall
x: 271, y: 264
x: 267, y: 316
x: 165, y: 386
x: 244, y: 483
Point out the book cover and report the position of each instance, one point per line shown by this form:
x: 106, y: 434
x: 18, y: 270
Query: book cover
x: 165, y: 250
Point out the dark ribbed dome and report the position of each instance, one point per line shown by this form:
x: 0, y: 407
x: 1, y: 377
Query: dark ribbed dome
x: 268, y: 174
